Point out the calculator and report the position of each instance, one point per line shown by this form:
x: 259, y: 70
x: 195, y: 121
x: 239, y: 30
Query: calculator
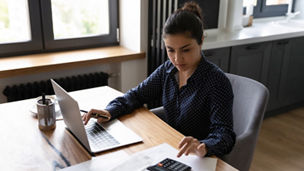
x: 169, y: 165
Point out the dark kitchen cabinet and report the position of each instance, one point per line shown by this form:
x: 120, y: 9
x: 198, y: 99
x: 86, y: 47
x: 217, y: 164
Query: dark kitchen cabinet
x: 292, y: 84
x: 280, y: 51
x: 251, y: 60
x: 220, y: 57
x: 278, y: 65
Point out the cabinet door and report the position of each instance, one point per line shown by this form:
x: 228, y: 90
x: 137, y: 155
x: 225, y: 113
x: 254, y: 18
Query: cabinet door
x: 280, y: 51
x: 220, y: 57
x: 251, y: 61
x: 292, y: 88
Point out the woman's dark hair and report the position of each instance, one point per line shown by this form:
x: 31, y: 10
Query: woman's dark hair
x: 186, y: 20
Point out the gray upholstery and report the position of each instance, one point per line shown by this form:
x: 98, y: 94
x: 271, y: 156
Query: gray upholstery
x: 160, y: 112
x: 249, y: 105
x: 250, y: 101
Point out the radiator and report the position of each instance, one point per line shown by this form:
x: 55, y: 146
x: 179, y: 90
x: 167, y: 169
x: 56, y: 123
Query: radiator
x: 159, y: 10
x: 71, y: 83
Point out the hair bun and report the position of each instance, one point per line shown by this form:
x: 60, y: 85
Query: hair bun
x: 194, y: 8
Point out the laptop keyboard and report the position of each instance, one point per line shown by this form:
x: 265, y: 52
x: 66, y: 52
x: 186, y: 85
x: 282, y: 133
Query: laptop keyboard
x: 99, y: 137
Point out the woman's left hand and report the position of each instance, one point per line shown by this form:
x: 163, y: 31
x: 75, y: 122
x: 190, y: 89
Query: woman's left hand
x: 191, y: 145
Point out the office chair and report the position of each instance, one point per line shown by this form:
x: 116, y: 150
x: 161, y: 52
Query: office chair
x: 249, y: 105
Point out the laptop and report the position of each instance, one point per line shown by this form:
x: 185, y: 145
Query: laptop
x: 94, y: 137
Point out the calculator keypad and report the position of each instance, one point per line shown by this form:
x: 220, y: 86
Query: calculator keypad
x: 169, y: 165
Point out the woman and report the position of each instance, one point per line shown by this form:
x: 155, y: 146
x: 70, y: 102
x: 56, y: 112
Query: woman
x: 196, y: 95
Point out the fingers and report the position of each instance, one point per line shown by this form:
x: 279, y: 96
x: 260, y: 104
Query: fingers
x: 182, y: 142
x: 191, y: 145
x: 201, y: 150
x: 86, y: 117
x: 202, y: 146
x: 102, y: 113
x: 184, y: 146
x: 187, y: 145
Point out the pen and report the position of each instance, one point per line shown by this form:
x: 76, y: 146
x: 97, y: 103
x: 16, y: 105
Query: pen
x: 43, y: 98
x: 95, y: 115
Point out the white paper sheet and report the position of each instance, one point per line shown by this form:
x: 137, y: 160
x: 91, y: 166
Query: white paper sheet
x: 101, y: 163
x: 121, y: 161
x: 141, y: 160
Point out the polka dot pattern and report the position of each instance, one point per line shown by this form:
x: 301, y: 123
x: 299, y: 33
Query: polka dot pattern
x: 201, y: 109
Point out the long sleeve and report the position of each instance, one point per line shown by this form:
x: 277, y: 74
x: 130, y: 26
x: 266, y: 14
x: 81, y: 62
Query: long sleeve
x: 147, y: 91
x: 221, y: 138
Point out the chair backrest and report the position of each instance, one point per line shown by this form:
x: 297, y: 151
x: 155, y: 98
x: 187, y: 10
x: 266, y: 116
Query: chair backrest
x: 249, y: 105
x: 250, y: 101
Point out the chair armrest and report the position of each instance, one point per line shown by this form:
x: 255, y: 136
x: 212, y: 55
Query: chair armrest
x: 160, y: 112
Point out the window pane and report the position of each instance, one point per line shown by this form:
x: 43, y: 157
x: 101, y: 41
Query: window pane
x: 14, y: 21
x: 79, y: 18
x: 277, y: 2
x: 249, y: 2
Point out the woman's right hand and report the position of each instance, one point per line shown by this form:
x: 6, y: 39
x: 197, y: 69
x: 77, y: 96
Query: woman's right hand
x: 92, y: 114
x: 191, y: 145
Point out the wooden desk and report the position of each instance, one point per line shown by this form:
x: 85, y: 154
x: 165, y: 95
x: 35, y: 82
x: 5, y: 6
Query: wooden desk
x: 24, y: 147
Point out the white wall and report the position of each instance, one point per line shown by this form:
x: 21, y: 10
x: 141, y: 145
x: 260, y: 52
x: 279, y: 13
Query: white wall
x: 230, y: 16
x: 133, y: 23
x: 134, y: 30
x: 299, y: 6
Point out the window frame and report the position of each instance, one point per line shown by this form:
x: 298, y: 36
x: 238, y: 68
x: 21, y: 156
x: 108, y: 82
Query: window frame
x: 35, y: 44
x: 42, y: 39
x: 71, y: 43
x: 262, y: 10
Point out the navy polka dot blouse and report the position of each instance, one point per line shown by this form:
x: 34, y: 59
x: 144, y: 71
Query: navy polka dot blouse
x: 202, y: 108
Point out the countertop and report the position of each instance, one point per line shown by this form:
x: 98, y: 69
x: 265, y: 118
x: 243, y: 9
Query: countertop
x: 262, y: 30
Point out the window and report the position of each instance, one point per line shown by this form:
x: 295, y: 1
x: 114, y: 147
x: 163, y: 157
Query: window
x: 82, y: 19
x: 12, y: 22
x: 276, y: 2
x: 29, y: 26
x: 269, y: 8
x: 19, y: 31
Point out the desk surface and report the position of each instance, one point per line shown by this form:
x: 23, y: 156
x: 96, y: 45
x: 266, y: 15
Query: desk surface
x: 24, y: 147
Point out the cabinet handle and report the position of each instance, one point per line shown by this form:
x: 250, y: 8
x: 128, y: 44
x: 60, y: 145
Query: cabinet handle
x: 208, y: 54
x: 252, y: 47
x: 282, y: 42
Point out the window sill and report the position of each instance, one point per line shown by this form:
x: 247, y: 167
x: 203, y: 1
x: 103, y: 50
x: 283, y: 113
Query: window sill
x: 36, y: 63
